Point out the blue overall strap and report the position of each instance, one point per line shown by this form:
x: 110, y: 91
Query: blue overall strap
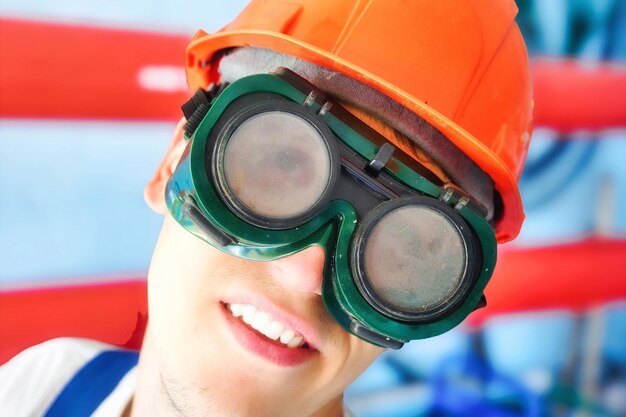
x: 92, y: 384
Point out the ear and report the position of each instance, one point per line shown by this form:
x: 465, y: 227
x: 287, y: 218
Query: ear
x: 154, y: 193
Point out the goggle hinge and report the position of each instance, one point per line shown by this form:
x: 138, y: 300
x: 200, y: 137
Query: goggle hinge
x: 324, y: 109
x: 454, y: 195
x: 309, y: 101
x: 379, y: 161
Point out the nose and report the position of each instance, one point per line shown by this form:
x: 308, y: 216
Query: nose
x: 302, y: 271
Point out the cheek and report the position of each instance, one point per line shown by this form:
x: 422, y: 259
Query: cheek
x: 346, y: 363
x: 360, y: 357
x: 180, y: 303
x: 174, y: 277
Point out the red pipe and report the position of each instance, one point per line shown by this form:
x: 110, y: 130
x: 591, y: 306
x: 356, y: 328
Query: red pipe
x: 571, y: 95
x: 574, y: 276
x: 61, y: 71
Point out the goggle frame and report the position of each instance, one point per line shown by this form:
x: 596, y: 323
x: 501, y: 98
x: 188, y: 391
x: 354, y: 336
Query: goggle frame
x: 197, y: 205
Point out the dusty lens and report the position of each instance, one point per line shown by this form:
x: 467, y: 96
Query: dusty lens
x: 415, y: 259
x: 277, y: 165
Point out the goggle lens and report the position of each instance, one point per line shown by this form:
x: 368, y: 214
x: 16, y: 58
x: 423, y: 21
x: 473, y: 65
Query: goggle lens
x: 415, y: 259
x: 277, y: 165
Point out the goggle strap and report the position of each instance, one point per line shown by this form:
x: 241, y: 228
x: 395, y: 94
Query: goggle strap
x: 376, y: 338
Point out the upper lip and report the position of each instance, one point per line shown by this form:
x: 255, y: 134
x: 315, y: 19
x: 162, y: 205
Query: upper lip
x: 279, y: 313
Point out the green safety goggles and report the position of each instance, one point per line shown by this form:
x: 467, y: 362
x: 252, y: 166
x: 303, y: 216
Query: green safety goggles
x: 273, y: 167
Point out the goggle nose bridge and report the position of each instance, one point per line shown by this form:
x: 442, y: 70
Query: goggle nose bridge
x: 337, y: 230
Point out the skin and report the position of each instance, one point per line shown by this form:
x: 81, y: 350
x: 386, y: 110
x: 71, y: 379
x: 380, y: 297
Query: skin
x: 190, y: 363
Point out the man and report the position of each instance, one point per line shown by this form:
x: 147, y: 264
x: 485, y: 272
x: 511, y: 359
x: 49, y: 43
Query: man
x: 336, y: 188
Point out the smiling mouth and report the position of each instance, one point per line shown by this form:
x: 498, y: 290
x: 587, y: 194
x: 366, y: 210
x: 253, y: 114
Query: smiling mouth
x: 266, y: 325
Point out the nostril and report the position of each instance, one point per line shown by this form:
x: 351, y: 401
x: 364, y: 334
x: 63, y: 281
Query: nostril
x: 301, y: 271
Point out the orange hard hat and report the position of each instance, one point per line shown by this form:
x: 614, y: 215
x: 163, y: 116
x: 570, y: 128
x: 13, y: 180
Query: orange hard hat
x: 460, y: 65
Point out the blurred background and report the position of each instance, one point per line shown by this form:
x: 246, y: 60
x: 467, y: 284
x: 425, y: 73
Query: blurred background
x: 90, y: 93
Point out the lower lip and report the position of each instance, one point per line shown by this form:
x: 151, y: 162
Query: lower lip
x: 264, y: 347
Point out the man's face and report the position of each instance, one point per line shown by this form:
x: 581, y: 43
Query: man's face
x: 213, y: 363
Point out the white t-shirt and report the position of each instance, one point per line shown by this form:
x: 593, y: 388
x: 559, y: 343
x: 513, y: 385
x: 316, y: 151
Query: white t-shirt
x: 32, y: 380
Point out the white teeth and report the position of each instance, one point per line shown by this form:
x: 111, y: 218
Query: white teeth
x: 274, y: 330
x: 287, y: 336
x: 260, y: 321
x: 296, y: 341
x: 236, y: 309
x: 266, y: 325
x: 248, y: 314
